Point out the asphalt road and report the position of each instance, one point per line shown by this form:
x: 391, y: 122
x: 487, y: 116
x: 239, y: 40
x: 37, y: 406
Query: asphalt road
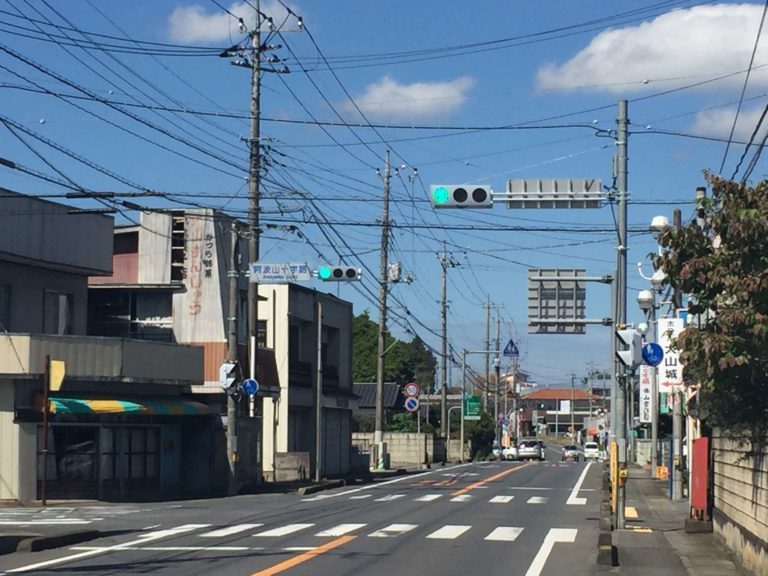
x: 528, y: 519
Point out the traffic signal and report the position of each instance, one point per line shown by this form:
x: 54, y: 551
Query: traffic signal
x: 633, y: 340
x: 339, y: 273
x: 461, y: 196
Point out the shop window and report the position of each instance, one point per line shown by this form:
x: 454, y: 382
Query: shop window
x: 143, y: 457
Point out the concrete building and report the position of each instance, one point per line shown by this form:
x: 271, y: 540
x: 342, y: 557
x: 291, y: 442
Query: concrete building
x: 122, y: 424
x: 553, y: 410
x: 290, y: 312
x: 170, y: 283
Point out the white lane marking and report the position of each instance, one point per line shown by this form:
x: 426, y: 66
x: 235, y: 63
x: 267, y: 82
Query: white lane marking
x: 428, y: 497
x: 283, y: 530
x: 462, y: 498
x: 501, y: 499
x: 51, y: 522
x: 572, y: 499
x: 528, y: 488
x: 229, y: 530
x: 360, y: 496
x: 389, y: 497
x: 127, y: 545
x: 554, y: 535
x: 316, y: 498
x: 448, y: 532
x: 340, y: 530
x: 298, y: 548
x: 538, y: 500
x: 392, y: 530
x: 504, y: 534
x: 395, y: 480
x: 176, y: 548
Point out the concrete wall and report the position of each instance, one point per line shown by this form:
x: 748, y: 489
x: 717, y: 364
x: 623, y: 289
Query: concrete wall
x: 406, y: 449
x: 740, y: 514
x: 18, y: 446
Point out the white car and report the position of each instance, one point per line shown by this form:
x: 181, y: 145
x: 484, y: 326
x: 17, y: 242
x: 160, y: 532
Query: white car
x: 591, y: 450
x: 509, y: 453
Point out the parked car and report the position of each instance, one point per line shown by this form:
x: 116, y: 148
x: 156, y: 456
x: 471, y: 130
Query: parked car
x: 509, y: 453
x: 591, y: 450
x: 530, y: 450
x: 571, y: 452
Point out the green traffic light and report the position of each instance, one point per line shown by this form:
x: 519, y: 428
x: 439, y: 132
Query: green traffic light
x: 324, y: 273
x: 440, y: 195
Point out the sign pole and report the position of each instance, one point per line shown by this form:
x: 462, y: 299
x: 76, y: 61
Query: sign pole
x: 463, y: 399
x: 46, y: 380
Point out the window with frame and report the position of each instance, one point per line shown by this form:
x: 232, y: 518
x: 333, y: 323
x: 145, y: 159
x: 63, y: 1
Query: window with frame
x: 57, y: 313
x: 5, y: 307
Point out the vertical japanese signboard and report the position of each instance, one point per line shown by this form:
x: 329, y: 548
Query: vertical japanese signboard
x: 647, y: 401
x: 670, y: 370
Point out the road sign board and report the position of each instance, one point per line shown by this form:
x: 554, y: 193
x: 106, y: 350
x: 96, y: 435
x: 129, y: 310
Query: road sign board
x: 411, y: 404
x: 281, y: 273
x: 653, y: 354
x: 250, y: 386
x: 511, y: 349
x: 472, y: 408
x: 411, y: 389
x: 227, y: 374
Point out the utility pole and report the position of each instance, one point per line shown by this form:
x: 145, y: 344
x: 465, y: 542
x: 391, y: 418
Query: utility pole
x: 487, y: 356
x: 677, y: 409
x: 378, y: 435
x: 234, y: 277
x: 497, y: 366
x: 573, y: 406
x: 619, y: 404
x: 445, y: 262
x: 319, y: 397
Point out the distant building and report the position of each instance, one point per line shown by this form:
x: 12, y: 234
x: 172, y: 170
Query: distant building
x: 554, y: 410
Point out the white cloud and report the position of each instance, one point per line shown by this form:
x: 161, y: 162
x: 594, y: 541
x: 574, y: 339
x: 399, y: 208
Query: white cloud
x: 677, y: 48
x: 188, y: 24
x: 717, y: 123
x: 390, y: 100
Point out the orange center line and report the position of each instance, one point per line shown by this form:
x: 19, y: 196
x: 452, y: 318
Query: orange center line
x: 304, y: 556
x: 483, y: 482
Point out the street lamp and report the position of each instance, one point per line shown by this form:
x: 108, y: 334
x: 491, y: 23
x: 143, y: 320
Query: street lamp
x: 646, y: 299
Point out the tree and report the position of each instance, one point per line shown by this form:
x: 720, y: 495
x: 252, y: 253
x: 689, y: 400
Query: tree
x: 721, y: 261
x: 404, y: 361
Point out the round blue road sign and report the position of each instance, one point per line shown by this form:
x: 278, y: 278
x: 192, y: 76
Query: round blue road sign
x: 653, y: 354
x: 250, y: 386
x: 411, y: 404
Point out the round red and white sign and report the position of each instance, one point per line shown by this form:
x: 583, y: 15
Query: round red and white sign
x: 411, y: 389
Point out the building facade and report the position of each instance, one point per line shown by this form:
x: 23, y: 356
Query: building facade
x: 306, y: 355
x: 123, y: 423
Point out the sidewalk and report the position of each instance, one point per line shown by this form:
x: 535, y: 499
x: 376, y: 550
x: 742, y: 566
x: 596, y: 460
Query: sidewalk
x: 654, y: 540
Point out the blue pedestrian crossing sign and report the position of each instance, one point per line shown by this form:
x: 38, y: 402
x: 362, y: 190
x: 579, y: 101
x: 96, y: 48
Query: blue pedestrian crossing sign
x: 511, y: 349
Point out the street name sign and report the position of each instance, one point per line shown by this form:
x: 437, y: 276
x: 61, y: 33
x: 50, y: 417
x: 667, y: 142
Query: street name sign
x: 280, y: 273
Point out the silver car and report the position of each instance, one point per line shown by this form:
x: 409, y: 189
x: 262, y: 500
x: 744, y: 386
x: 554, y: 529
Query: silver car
x: 530, y: 450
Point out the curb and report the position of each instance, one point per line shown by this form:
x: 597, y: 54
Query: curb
x: 303, y: 491
x: 605, y: 549
x: 38, y: 543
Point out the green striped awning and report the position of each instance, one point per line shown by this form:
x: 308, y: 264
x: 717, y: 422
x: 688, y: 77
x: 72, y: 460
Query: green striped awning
x: 175, y: 407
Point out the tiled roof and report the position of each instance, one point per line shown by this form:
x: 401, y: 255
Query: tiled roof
x: 557, y: 394
x: 367, y: 393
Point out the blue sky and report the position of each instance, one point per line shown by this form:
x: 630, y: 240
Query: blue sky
x: 477, y: 92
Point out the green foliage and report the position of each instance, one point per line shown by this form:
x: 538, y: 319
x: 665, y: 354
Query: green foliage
x: 404, y: 361
x: 721, y: 262
x: 402, y: 422
x: 481, y: 433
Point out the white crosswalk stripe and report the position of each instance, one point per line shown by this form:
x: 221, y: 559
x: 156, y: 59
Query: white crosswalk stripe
x: 448, y: 532
x: 360, y: 496
x: 392, y: 530
x: 390, y: 497
x: 229, y: 530
x: 428, y: 497
x: 340, y: 530
x: 284, y: 530
x: 462, y: 498
x: 537, y: 500
x: 504, y: 534
x: 501, y: 499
